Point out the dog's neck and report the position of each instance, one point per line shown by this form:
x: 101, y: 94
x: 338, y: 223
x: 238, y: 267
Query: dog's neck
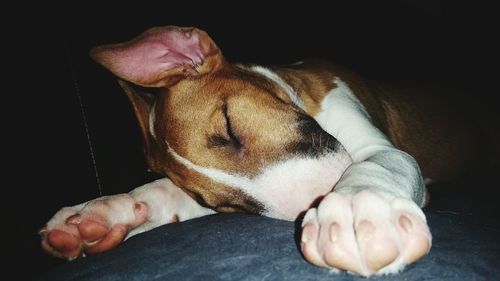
x: 305, y: 83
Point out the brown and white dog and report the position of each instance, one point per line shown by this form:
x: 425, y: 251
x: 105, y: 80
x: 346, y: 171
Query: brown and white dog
x: 309, y: 138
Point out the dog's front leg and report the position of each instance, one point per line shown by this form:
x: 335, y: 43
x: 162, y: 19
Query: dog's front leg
x: 101, y: 224
x: 372, y: 222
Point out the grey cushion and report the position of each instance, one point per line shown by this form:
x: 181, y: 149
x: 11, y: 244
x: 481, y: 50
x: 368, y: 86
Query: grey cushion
x: 247, y: 247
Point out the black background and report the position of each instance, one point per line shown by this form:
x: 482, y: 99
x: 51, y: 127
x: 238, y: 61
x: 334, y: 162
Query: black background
x: 449, y: 43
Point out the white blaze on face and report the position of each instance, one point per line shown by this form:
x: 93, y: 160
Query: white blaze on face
x: 294, y: 96
x: 285, y: 188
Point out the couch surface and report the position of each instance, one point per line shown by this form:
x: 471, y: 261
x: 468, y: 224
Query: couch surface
x: 465, y: 232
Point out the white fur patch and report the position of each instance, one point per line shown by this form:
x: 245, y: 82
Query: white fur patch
x: 285, y: 188
x: 294, y: 96
x: 377, y: 163
x: 343, y: 116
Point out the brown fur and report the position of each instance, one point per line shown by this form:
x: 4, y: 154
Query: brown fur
x: 257, y: 116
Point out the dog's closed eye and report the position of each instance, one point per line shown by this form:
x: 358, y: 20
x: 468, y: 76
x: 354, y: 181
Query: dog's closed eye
x: 234, y: 140
x: 231, y: 139
x: 217, y: 141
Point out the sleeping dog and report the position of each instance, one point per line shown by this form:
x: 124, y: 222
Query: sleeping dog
x: 311, y: 140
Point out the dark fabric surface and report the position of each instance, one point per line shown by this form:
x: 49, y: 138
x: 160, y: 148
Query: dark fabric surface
x: 246, y: 247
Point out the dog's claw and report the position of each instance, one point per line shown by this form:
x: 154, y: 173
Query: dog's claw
x: 43, y: 231
x: 74, y: 219
x: 114, y: 237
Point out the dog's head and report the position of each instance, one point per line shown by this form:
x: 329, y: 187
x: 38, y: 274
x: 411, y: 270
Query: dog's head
x: 228, y: 135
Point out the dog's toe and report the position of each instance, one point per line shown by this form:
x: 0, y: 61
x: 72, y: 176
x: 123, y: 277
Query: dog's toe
x: 92, y: 228
x: 62, y: 244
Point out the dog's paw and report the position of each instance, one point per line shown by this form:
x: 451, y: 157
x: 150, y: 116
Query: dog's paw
x: 365, y: 233
x: 92, y: 227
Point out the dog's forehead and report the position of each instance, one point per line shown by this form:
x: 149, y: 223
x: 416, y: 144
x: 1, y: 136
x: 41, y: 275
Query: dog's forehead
x: 223, y: 85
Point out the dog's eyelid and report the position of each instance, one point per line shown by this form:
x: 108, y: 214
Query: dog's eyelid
x: 234, y: 140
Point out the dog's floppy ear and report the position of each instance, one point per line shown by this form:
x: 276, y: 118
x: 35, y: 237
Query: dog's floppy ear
x: 143, y: 101
x: 161, y: 56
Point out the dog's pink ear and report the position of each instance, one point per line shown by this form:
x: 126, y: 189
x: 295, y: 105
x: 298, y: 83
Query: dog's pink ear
x: 161, y: 56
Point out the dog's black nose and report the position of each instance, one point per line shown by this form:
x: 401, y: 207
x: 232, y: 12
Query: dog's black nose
x: 313, y: 139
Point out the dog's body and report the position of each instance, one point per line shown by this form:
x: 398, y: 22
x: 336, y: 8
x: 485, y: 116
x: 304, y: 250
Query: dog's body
x: 308, y: 138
